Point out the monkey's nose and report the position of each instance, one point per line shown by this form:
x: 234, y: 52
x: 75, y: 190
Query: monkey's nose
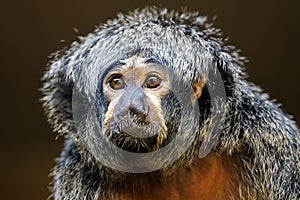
x: 140, y: 111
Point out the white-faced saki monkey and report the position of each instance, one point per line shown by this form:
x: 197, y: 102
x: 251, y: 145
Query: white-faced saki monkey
x: 155, y: 105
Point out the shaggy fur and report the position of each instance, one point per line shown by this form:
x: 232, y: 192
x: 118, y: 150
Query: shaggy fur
x: 263, y: 138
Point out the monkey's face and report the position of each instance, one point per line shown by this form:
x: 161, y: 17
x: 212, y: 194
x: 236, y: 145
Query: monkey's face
x: 134, y: 118
x: 142, y: 111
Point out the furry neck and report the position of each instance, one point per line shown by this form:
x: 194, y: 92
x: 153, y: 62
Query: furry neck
x: 213, y: 177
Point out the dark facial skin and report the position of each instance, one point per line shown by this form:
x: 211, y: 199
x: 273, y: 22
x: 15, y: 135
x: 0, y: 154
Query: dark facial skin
x: 135, y: 118
x: 134, y: 113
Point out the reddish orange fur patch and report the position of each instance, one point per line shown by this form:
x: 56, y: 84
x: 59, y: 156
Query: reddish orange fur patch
x: 198, y: 87
x: 210, y: 178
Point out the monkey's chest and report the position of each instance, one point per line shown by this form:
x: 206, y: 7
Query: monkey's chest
x: 210, y: 178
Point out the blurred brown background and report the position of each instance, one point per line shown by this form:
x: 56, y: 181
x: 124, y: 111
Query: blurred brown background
x: 267, y: 32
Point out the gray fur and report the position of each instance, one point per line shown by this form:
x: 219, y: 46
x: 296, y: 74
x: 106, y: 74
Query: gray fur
x: 265, y: 140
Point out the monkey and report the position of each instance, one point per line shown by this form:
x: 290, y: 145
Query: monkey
x: 155, y: 104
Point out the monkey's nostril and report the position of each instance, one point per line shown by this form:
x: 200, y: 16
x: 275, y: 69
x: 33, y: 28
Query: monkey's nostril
x: 140, y: 112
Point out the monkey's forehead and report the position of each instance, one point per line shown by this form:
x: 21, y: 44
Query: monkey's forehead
x: 138, y: 60
x: 123, y: 67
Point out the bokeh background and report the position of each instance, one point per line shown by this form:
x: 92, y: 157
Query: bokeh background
x: 267, y: 32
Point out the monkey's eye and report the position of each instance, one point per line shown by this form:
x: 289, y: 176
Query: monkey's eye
x: 116, y: 82
x: 152, y: 82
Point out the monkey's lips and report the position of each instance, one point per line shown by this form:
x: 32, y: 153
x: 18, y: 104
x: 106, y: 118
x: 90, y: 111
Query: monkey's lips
x: 134, y: 138
x: 138, y: 132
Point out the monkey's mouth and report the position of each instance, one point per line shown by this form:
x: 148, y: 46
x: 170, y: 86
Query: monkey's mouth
x: 138, y: 131
x: 134, y: 138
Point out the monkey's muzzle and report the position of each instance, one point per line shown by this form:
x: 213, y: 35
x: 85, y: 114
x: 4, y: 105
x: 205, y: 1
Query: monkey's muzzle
x: 138, y: 132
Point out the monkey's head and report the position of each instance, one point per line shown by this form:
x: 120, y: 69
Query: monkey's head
x: 142, y: 83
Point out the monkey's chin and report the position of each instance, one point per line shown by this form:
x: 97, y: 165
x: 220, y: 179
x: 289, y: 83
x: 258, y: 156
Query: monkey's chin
x: 134, y: 139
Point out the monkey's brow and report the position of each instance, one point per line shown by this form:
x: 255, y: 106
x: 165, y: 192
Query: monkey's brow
x: 152, y: 60
x: 117, y: 66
